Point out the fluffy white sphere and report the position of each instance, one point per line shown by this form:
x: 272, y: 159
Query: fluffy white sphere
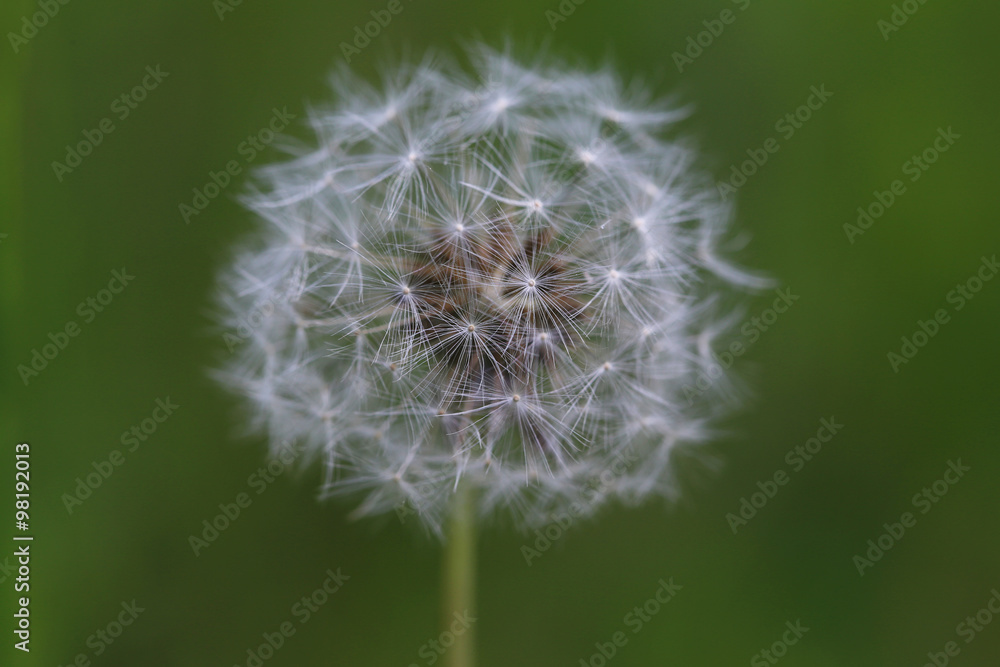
x: 503, y: 279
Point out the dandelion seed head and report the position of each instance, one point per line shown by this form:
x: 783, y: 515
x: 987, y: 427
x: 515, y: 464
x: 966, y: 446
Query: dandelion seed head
x: 484, y: 284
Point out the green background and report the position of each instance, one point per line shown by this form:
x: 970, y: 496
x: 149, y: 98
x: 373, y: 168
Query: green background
x: 825, y: 357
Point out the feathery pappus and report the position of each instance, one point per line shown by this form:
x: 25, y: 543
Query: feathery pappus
x: 504, y: 277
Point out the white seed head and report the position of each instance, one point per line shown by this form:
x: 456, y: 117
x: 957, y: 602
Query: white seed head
x: 549, y: 349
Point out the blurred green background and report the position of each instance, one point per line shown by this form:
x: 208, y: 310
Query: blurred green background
x: 826, y: 357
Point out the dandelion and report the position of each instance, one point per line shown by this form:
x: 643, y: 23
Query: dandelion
x: 487, y: 290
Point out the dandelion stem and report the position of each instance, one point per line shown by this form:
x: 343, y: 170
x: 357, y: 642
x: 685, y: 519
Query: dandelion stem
x: 459, y: 579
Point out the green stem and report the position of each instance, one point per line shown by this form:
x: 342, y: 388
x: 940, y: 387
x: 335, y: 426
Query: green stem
x: 459, y: 580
